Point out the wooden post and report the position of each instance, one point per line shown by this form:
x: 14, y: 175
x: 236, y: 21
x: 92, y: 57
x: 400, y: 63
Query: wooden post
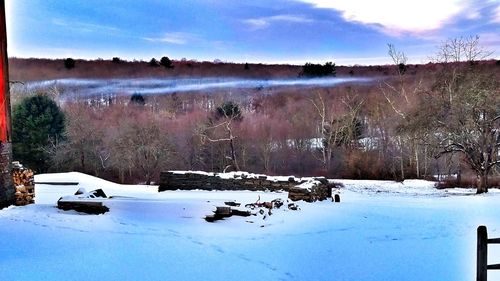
x: 482, y: 254
x: 337, y: 198
x: 5, y: 127
x: 6, y: 187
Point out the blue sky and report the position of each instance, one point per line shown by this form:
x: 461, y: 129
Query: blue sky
x: 269, y: 31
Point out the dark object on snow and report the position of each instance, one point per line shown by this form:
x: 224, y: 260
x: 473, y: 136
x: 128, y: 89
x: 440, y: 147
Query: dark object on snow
x: 84, y: 202
x: 80, y: 191
x: 225, y: 212
x: 98, y: 193
x: 88, y: 207
x: 240, y: 213
x: 277, y: 203
x: 219, y: 214
x: 57, y: 183
x: 232, y: 204
x: 336, y: 198
x: 293, y: 207
x: 212, y: 218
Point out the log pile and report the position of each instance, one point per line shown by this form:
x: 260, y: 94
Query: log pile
x: 24, y: 182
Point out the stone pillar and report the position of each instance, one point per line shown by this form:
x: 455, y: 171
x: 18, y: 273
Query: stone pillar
x: 6, y: 186
x: 7, y: 190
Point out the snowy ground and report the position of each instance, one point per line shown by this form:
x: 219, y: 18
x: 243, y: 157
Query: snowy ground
x: 380, y: 231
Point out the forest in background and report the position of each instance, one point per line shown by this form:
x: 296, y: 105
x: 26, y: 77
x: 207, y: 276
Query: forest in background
x: 381, y: 130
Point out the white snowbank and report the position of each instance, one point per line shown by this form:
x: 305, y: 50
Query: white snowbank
x: 407, y: 187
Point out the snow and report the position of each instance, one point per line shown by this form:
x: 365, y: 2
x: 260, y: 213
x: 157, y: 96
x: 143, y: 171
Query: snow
x: 381, y: 230
x: 236, y: 175
x: 309, y: 184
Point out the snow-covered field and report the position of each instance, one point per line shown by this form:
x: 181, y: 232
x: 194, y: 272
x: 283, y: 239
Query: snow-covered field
x: 380, y: 231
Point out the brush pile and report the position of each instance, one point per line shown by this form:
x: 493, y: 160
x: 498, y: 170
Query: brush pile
x: 258, y: 209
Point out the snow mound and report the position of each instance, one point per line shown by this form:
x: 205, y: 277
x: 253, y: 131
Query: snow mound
x: 412, y: 187
x: 83, y: 180
x: 50, y: 193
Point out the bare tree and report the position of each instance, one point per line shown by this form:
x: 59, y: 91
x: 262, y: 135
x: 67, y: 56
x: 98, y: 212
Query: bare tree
x: 225, y: 116
x: 83, y: 148
x: 338, y: 124
x: 400, y: 96
x: 462, y: 109
x: 141, y: 145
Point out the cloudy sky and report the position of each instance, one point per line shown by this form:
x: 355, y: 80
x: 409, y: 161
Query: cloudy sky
x: 270, y: 31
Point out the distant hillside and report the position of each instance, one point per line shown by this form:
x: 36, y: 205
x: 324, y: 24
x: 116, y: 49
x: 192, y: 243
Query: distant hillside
x: 43, y: 69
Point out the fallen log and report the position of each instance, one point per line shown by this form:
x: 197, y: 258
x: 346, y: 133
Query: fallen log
x: 84, y: 206
x: 232, y: 204
x: 241, y: 213
x: 86, y: 202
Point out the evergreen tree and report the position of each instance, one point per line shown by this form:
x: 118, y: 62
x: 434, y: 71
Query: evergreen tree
x: 138, y: 99
x: 316, y: 70
x: 36, y: 122
x: 69, y: 63
x: 166, y: 62
x: 228, y: 110
x: 153, y: 62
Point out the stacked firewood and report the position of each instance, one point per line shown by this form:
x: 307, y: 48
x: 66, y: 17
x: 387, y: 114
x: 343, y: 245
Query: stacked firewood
x: 25, y: 184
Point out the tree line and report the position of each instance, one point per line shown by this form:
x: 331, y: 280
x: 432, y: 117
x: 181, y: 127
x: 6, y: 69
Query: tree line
x: 442, y: 122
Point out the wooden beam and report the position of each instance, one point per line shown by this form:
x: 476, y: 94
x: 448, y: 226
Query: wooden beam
x: 494, y: 241
x: 7, y: 190
x: 494, y: 266
x: 5, y: 124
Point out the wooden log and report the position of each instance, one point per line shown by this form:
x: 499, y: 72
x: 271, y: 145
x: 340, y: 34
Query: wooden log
x: 223, y: 211
x: 85, y: 206
x: 21, y: 188
x: 210, y: 218
x: 236, y: 212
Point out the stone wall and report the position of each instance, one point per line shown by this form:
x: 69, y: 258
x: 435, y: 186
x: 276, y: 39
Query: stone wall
x: 318, y: 188
x: 172, y: 180
x: 7, y: 190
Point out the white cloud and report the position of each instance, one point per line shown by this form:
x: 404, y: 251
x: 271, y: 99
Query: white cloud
x: 397, y: 16
x: 176, y: 38
x: 84, y: 26
x: 496, y: 15
x: 259, y: 23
